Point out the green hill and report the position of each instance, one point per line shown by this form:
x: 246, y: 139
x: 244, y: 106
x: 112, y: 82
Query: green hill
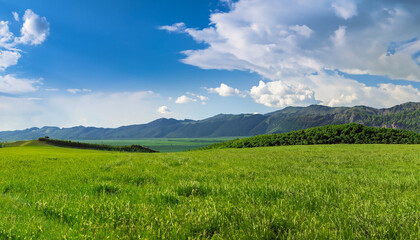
x: 332, y: 134
x: 78, y: 145
x: 23, y: 144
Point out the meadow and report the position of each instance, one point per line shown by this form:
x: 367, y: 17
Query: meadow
x: 165, y: 144
x: 289, y: 192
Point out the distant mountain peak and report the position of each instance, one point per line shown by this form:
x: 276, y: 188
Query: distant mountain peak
x: 403, y: 116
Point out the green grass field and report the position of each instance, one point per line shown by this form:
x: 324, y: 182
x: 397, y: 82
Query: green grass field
x: 292, y: 192
x: 165, y: 144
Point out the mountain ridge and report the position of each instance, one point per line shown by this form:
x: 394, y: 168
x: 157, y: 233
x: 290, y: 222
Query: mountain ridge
x: 403, y: 116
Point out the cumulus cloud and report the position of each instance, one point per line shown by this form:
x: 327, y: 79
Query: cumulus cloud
x: 35, y: 29
x: 337, y: 90
x: 279, y: 94
x: 192, y: 97
x: 163, y: 110
x: 198, y: 97
x: 12, y: 85
x: 8, y: 58
x: 5, y: 35
x: 184, y: 99
x: 289, y: 43
x: 332, y: 90
x: 225, y: 91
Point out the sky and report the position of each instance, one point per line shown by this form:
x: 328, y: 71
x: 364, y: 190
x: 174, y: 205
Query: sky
x: 114, y: 63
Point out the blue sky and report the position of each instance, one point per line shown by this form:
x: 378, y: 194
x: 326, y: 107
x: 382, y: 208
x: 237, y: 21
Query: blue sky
x: 112, y: 63
x: 116, y: 45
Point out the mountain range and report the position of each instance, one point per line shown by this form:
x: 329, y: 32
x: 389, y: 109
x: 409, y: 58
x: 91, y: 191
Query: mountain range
x: 404, y: 116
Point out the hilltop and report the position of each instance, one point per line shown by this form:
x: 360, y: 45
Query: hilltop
x: 404, y: 116
x: 77, y: 145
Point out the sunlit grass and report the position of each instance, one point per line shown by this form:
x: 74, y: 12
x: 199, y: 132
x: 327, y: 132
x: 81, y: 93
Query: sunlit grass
x: 298, y: 192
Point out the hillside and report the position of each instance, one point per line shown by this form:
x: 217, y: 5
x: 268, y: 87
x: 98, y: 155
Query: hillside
x: 351, y: 133
x: 77, y: 145
x: 404, y: 116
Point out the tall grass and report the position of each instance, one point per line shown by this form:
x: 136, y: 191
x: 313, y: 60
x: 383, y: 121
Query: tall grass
x: 293, y: 192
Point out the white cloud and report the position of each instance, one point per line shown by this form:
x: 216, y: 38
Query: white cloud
x: 203, y: 98
x: 345, y: 9
x: 184, y: 99
x: 15, y: 16
x: 192, y: 97
x: 292, y: 42
x: 177, y: 27
x: 163, y: 110
x: 5, y: 34
x: 339, y: 37
x: 77, y: 90
x: 199, y: 97
x: 332, y: 90
x: 336, y: 90
x: 279, y: 94
x: 35, y: 29
x: 12, y: 85
x: 8, y: 58
x: 302, y: 30
x: 225, y: 91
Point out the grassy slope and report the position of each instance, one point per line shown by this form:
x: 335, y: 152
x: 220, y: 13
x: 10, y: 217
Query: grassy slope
x: 77, y: 145
x: 303, y: 192
x: 24, y: 143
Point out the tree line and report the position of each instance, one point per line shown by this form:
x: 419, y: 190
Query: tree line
x: 82, y: 145
x: 351, y: 133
